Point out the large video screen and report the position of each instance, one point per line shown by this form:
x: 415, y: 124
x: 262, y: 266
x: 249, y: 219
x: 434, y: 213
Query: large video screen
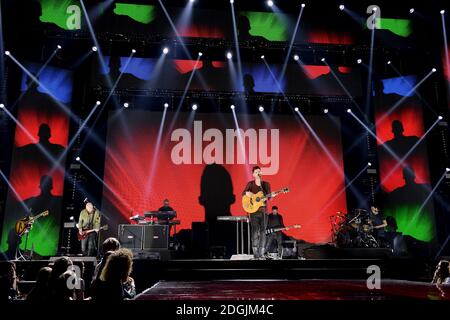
x: 201, y: 164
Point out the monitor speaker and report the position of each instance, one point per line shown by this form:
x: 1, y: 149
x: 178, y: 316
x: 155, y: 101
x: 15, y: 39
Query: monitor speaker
x: 156, y: 237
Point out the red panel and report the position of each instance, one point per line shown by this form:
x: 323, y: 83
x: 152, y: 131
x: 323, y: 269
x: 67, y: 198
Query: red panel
x: 185, y: 66
x: 198, y: 31
x: 314, y: 72
x: 330, y: 37
x: 147, y: 178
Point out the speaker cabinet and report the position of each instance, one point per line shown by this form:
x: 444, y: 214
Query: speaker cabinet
x: 156, y: 237
x: 131, y: 236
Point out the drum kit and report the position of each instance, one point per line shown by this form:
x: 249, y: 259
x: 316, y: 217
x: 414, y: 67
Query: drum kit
x: 353, y: 230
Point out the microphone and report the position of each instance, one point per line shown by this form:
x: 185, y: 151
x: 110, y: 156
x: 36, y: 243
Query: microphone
x: 85, y: 200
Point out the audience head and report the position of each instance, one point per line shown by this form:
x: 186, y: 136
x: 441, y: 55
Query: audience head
x: 118, y: 266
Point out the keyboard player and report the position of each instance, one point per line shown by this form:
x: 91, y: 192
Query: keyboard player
x: 166, y: 208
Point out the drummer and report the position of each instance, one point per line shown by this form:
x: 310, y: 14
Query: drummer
x: 378, y: 223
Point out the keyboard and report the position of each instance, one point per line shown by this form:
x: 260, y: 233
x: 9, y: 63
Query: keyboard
x: 232, y: 218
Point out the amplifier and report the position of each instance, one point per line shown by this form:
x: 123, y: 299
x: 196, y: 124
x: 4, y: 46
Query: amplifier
x: 131, y: 236
x: 156, y: 237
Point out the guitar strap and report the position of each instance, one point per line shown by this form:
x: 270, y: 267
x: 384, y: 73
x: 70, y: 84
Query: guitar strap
x: 91, y: 220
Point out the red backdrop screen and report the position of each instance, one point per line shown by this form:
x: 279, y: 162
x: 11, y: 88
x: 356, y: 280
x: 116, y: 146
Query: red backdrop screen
x: 196, y: 163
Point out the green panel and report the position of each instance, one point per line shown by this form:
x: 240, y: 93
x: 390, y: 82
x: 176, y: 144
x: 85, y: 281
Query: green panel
x: 412, y: 222
x: 138, y: 12
x: 401, y: 27
x: 268, y: 25
x: 43, y: 237
x: 55, y: 11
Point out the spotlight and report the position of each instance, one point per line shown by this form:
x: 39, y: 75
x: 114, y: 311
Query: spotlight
x: 323, y: 59
x: 296, y: 57
x: 442, y: 11
x: 303, y: 5
x: 440, y: 117
x: 433, y: 70
x: 200, y: 54
x: 78, y: 159
x: 133, y: 50
x: 166, y: 105
x: 389, y: 62
x: 296, y: 109
x: 374, y: 9
x: 411, y: 10
x: 232, y: 107
x: 58, y: 47
x: 97, y: 103
x: 447, y: 169
x: 2, y: 106
x: 231, y: 1
x: 229, y: 55
x: 359, y: 61
x: 369, y: 164
x: 270, y: 3
x: 191, y: 1
x: 325, y: 111
x: 126, y: 105
x: 341, y: 7
x: 349, y: 110
x: 71, y: 218
x: 7, y: 53
x: 166, y: 50
x: 262, y: 57
x: 261, y: 109
x: 194, y: 107
x: 94, y: 48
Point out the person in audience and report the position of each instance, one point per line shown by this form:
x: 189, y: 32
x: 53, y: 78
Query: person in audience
x: 108, y: 246
x: 442, y: 273
x: 8, y: 282
x: 40, y: 292
x: 115, y: 283
x: 60, y: 266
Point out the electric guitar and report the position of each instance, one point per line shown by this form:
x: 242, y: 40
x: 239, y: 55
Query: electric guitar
x: 24, y: 225
x: 83, y: 234
x: 273, y: 230
x: 256, y: 201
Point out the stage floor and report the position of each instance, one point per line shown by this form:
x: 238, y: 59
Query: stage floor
x: 313, y: 289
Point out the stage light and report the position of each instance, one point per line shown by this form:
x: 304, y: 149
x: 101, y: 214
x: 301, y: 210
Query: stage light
x: 58, y: 47
x: 97, y: 103
x: 389, y: 62
x: 194, y: 107
x: 191, y: 1
x: 78, y: 159
x: 440, y: 117
x: 200, y: 54
x: 374, y: 9
x: 296, y: 57
x: 262, y: 57
x: 303, y: 5
x: 133, y: 50
x: 71, y: 218
x: 296, y: 109
x: 442, y: 11
x: 323, y: 59
x: 126, y: 105
x: 94, y: 48
x: 166, y: 50
x: 166, y: 105
x: 447, y: 169
x: 359, y: 61
x: 433, y: 70
x: 341, y: 7
x: 2, y: 106
x: 7, y: 53
x: 325, y: 111
x: 369, y: 164
x: 232, y: 107
x: 411, y: 10
x: 231, y: 1
x: 270, y: 3
x: 229, y: 55
x: 349, y: 110
x: 261, y: 109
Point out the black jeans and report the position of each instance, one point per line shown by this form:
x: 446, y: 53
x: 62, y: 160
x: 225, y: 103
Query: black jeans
x: 258, y: 223
x: 275, y: 239
x: 89, y: 245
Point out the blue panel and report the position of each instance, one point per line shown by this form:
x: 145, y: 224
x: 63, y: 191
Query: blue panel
x: 141, y: 68
x: 263, y: 77
x: 402, y: 85
x: 57, y: 81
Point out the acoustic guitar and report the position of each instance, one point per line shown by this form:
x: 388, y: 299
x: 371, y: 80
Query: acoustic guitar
x: 83, y: 234
x: 24, y: 225
x: 256, y: 201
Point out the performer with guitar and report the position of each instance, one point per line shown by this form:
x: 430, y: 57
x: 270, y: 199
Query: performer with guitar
x: 88, y: 226
x: 258, y: 219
